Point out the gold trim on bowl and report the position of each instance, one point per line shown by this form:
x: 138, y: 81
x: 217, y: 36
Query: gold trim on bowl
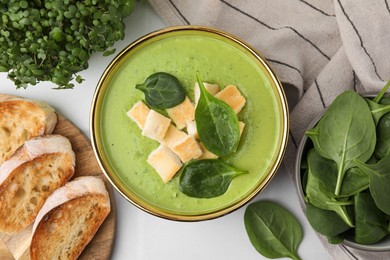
x: 98, y: 146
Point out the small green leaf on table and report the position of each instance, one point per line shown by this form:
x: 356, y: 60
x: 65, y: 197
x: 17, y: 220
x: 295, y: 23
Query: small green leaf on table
x: 273, y: 231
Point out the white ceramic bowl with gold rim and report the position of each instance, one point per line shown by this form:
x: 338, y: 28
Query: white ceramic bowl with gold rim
x: 182, y: 51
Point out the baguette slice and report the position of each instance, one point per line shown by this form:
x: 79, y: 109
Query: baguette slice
x: 69, y: 219
x: 20, y: 120
x: 35, y: 170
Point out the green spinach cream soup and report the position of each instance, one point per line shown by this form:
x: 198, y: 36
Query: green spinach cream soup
x: 218, y: 61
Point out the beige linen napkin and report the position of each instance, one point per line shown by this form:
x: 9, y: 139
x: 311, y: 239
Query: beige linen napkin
x: 318, y: 47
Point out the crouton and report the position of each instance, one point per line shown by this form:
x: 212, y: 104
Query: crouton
x: 165, y: 162
x: 173, y: 136
x: 181, y: 113
x: 191, y: 129
x: 206, y: 154
x: 156, y: 125
x: 187, y: 149
x: 138, y: 113
x: 232, y: 96
x: 241, y: 125
x: 211, y: 88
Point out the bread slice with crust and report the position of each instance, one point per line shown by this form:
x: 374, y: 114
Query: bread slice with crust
x: 69, y: 219
x: 20, y: 120
x: 36, y: 169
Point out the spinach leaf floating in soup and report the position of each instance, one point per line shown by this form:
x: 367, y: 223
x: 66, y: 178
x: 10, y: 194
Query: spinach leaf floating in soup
x: 217, y: 124
x: 207, y: 178
x: 162, y: 90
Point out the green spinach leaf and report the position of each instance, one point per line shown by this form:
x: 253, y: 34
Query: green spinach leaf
x: 388, y: 228
x: 325, y: 222
x: 325, y: 170
x: 379, y: 179
x: 273, y: 231
x: 334, y: 240
x: 313, y: 134
x: 318, y: 196
x: 207, y: 178
x: 371, y: 223
x: 355, y: 181
x: 217, y: 124
x: 380, y: 95
x: 346, y: 132
x: 162, y: 90
x: 383, y: 133
x: 304, y: 180
x: 377, y: 110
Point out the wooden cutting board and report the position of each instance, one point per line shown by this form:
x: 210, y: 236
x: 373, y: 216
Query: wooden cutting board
x: 16, y: 246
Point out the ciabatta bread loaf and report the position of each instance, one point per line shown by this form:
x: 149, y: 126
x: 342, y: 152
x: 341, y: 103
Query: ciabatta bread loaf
x: 36, y: 169
x: 69, y: 219
x: 20, y: 120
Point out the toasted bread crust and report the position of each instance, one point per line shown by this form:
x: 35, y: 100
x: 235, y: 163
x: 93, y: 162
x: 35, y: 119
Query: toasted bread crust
x: 69, y: 219
x: 21, y: 120
x: 68, y: 228
x: 26, y: 180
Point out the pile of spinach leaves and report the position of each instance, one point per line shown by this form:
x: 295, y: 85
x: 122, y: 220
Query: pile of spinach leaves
x: 346, y: 174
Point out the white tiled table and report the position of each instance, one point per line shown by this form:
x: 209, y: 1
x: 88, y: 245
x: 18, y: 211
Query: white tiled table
x: 141, y: 236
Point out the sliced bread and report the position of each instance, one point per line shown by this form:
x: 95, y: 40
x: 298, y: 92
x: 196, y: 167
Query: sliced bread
x: 36, y: 169
x: 69, y: 219
x: 20, y: 120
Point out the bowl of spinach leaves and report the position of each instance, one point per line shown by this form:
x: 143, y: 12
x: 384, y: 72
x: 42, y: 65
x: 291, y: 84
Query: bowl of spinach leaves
x: 343, y: 171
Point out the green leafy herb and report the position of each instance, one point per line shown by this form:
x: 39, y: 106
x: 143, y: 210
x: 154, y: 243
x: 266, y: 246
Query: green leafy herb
x: 388, y: 228
x: 162, y: 90
x: 380, y: 95
x: 207, y: 178
x: 217, y: 124
x: 377, y: 110
x: 371, y: 223
x: 325, y: 222
x: 335, y: 239
x: 318, y: 196
x: 273, y: 231
x: 383, y: 133
x: 344, y: 177
x: 52, y: 40
x: 379, y: 178
x: 322, y: 169
x: 355, y: 180
x: 346, y: 132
